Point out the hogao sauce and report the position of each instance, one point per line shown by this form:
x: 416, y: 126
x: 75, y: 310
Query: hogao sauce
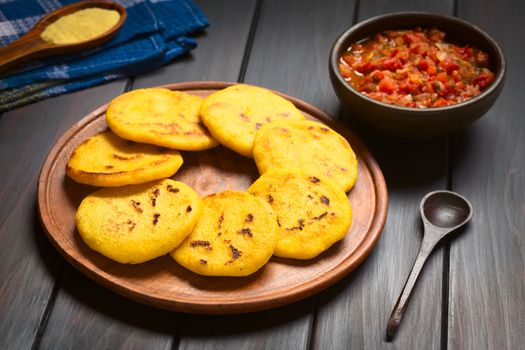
x: 415, y: 68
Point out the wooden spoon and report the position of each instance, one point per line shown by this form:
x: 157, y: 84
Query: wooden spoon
x: 442, y: 212
x: 31, y: 45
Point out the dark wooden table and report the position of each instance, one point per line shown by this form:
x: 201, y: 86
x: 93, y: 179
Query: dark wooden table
x: 472, y: 291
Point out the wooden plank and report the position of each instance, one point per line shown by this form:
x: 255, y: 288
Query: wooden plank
x: 487, y: 261
x: 283, y: 328
x: 29, y: 265
x: 379, y: 7
x: 353, y: 314
x: 88, y: 316
x: 104, y: 319
x: 291, y: 47
x: 220, y: 49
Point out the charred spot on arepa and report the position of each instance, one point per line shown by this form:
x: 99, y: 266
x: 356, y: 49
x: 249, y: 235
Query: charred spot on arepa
x: 319, y: 217
x: 124, y: 158
x: 245, y: 231
x: 156, y: 217
x: 244, y: 117
x: 201, y: 243
x: 236, y: 253
x: 131, y: 225
x: 314, y: 179
x: 136, y: 205
x: 172, y: 189
x: 154, y: 194
x: 299, y: 227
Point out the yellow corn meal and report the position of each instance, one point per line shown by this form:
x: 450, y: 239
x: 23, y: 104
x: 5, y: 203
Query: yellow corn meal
x: 80, y: 26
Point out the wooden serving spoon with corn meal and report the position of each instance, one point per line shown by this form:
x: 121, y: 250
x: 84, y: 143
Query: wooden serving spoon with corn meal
x: 31, y: 45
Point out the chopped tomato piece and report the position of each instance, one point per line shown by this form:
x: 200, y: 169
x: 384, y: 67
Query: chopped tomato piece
x: 450, y: 66
x: 411, y: 38
x: 484, y: 79
x: 442, y: 77
x: 440, y: 103
x: 423, y: 65
x: 387, y: 85
x: 377, y: 75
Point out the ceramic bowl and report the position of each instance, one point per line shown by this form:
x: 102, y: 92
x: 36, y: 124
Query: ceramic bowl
x: 417, y: 122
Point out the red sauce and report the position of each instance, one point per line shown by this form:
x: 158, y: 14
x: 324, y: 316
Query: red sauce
x: 415, y: 68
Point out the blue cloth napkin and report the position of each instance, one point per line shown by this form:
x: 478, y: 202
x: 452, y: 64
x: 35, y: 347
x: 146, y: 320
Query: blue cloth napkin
x: 155, y: 32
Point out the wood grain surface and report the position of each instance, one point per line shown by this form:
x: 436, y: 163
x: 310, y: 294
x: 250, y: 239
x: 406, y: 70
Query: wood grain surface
x: 487, y: 262
x: 30, y: 268
x: 280, y: 44
x: 219, y: 55
x: 163, y: 283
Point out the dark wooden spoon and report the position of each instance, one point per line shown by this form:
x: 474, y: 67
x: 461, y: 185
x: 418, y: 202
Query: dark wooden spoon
x: 442, y: 212
x: 32, y: 46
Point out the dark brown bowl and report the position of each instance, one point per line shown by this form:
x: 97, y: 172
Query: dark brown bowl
x: 417, y: 122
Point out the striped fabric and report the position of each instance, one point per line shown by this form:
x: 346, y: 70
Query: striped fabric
x: 155, y: 32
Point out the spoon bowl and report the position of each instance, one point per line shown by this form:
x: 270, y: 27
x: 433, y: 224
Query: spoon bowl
x: 445, y: 209
x: 31, y: 45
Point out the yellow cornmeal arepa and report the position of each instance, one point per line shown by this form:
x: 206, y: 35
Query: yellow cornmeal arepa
x: 160, y: 117
x: 307, y: 145
x: 233, y: 115
x: 137, y: 223
x: 312, y: 211
x: 107, y: 160
x: 235, y: 236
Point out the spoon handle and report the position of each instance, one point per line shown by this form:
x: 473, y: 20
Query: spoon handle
x: 28, y: 46
x: 429, y: 242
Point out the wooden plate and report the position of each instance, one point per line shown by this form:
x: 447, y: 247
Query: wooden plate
x: 165, y: 284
